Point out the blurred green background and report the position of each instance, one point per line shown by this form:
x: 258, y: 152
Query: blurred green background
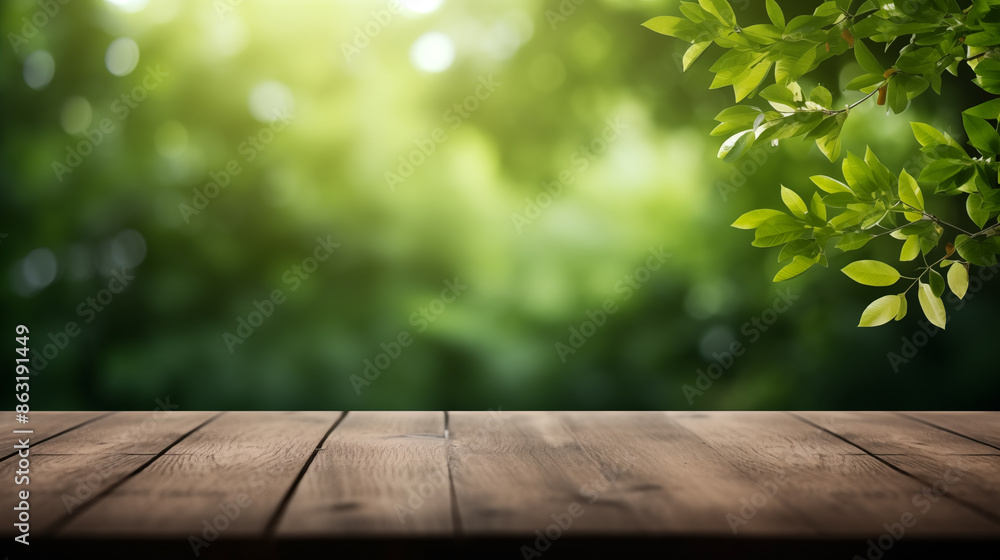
x: 186, y: 87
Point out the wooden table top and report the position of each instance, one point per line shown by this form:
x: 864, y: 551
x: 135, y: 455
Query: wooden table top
x: 528, y: 483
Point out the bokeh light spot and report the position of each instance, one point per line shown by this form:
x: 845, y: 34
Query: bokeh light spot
x: 122, y: 56
x: 268, y: 100
x: 39, y: 68
x: 76, y: 115
x: 433, y: 52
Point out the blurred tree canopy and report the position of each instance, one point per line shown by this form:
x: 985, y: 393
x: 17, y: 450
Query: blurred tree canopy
x: 430, y: 197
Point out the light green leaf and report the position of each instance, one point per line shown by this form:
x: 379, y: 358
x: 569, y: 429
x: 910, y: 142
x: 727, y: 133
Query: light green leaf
x: 932, y: 305
x: 673, y: 27
x: 754, y: 218
x: 989, y: 110
x: 693, y: 52
x: 909, y: 194
x: 821, y: 96
x: 830, y: 185
x: 871, y: 273
x: 778, y: 230
x: 911, y: 248
x: 880, y: 311
x: 902, y: 307
x: 981, y: 135
x: 794, y: 202
x: 798, y: 265
x: 736, y: 145
x: 853, y: 241
x: 958, y: 280
x: 719, y: 9
x: 775, y: 14
x: 817, y: 206
x: 927, y: 135
x: 744, y: 87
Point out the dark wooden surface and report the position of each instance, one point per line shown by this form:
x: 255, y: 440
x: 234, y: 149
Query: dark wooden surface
x: 434, y: 482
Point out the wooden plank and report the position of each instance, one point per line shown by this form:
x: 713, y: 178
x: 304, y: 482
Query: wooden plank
x: 967, y: 470
x: 621, y: 472
x: 67, y: 472
x: 233, y: 474
x: 378, y: 472
x: 836, y: 488
x: 44, y: 424
x: 981, y: 426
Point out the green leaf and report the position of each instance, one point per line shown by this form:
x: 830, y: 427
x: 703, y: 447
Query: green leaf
x: 778, y: 230
x: 989, y: 110
x: 927, y: 135
x: 673, y: 27
x: 911, y: 248
x: 853, y: 241
x: 745, y: 86
x: 902, y: 307
x: 858, y: 175
x: 817, y: 207
x: 880, y: 311
x: 974, y: 206
x: 871, y: 273
x: 719, y: 9
x: 879, y: 172
x: 936, y: 282
x: 982, y: 136
x: 803, y: 247
x: 736, y: 145
x: 909, y: 194
x: 932, y: 305
x: 830, y: 185
x: 754, y: 218
x: 821, y: 96
x: 798, y: 265
x: 941, y: 170
x: 866, y: 59
x: 794, y: 202
x: 775, y: 14
x: 896, y: 96
x: 974, y: 251
x: 958, y: 280
x: 693, y: 52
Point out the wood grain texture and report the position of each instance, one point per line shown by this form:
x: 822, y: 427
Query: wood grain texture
x: 836, y: 488
x: 44, y: 424
x: 967, y: 470
x: 626, y: 472
x: 239, y: 466
x: 981, y: 426
x: 70, y: 470
x: 378, y: 472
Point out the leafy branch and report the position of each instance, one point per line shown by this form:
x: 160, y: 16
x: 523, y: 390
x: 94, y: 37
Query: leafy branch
x: 939, y: 36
